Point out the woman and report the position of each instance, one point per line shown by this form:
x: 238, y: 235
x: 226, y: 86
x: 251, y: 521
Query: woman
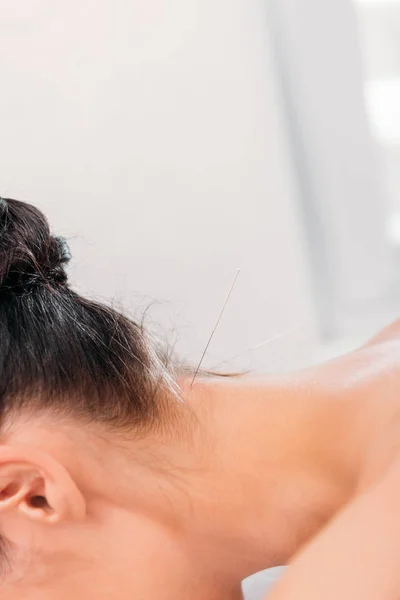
x: 118, y: 479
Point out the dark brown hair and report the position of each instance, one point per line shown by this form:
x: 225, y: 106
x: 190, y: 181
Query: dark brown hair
x: 60, y: 351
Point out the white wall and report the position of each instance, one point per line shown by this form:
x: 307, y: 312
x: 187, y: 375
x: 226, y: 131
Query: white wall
x: 150, y: 132
x: 339, y: 164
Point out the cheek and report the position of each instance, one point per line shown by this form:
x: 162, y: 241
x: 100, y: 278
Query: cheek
x: 24, y: 545
x: 126, y: 556
x: 17, y: 529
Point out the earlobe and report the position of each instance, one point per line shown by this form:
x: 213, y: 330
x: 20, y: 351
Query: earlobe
x: 38, y: 487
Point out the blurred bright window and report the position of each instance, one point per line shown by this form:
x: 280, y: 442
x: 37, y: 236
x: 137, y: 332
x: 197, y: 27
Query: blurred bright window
x: 339, y: 66
x: 379, y: 26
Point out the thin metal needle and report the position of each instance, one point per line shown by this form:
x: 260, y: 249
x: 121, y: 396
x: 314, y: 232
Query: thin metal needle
x: 216, y: 325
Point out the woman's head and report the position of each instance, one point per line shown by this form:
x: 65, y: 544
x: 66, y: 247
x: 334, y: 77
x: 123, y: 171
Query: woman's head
x: 110, y: 486
x: 59, y: 351
x: 76, y: 380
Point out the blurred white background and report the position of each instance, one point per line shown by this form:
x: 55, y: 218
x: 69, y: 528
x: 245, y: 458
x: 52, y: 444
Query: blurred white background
x: 174, y: 142
x: 152, y: 134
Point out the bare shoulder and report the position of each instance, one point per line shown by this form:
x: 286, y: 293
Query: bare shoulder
x: 390, y: 333
x: 357, y: 555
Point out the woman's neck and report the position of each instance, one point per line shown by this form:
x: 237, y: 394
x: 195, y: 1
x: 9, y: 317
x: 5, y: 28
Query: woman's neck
x: 271, y: 467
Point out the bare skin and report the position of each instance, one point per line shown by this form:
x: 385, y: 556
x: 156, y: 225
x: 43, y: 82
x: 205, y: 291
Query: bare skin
x: 248, y: 473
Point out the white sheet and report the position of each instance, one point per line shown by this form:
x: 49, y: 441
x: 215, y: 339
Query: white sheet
x: 256, y: 587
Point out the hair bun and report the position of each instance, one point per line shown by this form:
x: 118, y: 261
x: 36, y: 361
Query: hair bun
x: 29, y: 254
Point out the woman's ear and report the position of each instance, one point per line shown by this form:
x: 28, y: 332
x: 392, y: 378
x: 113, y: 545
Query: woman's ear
x: 37, y: 487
